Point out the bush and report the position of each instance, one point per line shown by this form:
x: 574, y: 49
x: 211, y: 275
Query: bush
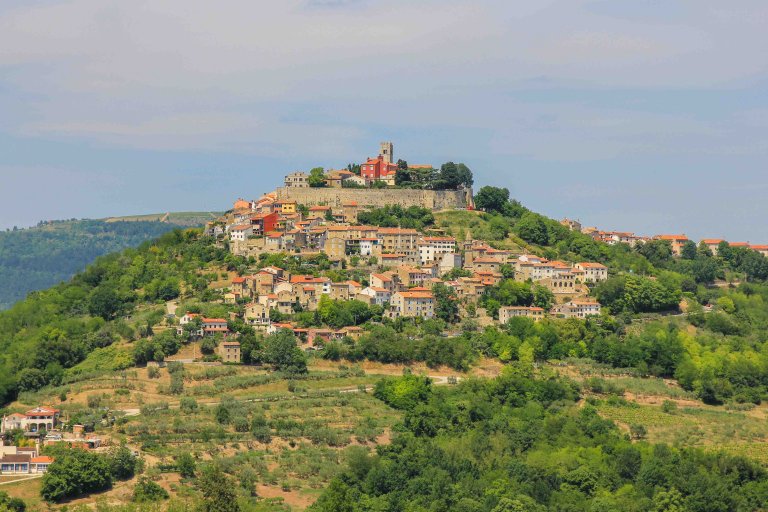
x: 11, y: 504
x: 187, y: 405
x: 146, y: 490
x: 668, y: 406
x: 637, y: 431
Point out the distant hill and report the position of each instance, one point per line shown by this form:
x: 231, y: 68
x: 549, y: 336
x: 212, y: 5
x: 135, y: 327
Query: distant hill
x: 187, y: 219
x: 40, y: 257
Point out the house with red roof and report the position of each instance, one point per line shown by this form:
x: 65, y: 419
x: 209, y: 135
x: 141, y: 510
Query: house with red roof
x: 35, y: 420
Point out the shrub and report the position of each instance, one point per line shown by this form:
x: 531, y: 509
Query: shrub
x: 153, y: 372
x: 187, y: 404
x: 146, y: 490
x: 668, y: 406
x: 637, y: 431
x: 11, y: 504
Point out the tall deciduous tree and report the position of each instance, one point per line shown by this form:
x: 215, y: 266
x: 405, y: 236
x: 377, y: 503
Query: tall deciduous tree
x: 282, y: 352
x: 317, y: 177
x: 492, y: 199
x: 218, y: 491
x: 446, y: 307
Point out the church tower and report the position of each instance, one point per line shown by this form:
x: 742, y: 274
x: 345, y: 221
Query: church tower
x: 387, y: 150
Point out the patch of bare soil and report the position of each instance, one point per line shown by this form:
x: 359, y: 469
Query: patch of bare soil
x: 294, y: 499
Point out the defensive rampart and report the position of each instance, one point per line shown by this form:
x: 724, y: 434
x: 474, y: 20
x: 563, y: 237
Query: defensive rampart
x: 433, y: 199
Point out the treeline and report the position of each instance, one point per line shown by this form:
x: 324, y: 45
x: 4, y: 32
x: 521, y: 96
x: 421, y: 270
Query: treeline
x: 40, y: 257
x: 450, y: 176
x: 519, y: 444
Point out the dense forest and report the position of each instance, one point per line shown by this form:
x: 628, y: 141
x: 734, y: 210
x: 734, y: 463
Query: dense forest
x: 518, y: 444
x: 40, y: 257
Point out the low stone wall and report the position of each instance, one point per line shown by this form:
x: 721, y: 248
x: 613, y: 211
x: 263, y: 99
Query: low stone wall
x: 433, y: 199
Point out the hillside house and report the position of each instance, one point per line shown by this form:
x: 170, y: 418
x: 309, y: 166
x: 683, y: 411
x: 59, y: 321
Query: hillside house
x: 394, y: 259
x: 214, y: 326
x: 297, y: 179
x: 256, y: 314
x: 762, y: 249
x: 448, y: 262
x: 263, y: 223
x: 229, y: 351
x: 285, y: 206
x: 318, y: 212
x: 577, y: 309
x: 376, y: 295
x: 378, y: 168
x: 417, y: 302
x: 593, y: 272
x: 486, y: 263
x: 508, y: 312
x: 240, y: 233
x: 431, y: 248
x: 33, y: 421
x: 573, y: 225
x: 712, y: 244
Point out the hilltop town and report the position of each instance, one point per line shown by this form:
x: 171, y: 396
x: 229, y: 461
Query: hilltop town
x: 400, y: 266
x: 249, y: 349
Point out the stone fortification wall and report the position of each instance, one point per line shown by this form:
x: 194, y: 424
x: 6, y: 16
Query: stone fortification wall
x: 434, y: 199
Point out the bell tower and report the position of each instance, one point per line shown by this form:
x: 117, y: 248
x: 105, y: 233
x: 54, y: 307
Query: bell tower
x: 387, y: 150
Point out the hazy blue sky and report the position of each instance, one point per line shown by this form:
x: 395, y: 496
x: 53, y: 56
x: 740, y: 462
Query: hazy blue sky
x: 648, y: 116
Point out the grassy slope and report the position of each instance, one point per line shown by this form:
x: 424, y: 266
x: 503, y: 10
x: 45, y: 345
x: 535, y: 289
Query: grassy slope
x: 466, y: 225
x: 689, y: 423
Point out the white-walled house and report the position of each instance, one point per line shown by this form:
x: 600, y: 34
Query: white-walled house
x: 593, y: 272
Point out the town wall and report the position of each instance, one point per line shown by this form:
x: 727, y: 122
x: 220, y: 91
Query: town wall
x: 433, y: 199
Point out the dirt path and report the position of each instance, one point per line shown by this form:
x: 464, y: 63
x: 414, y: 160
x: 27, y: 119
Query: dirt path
x: 31, y: 477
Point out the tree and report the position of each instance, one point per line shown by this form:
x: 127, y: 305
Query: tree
x: 282, y: 352
x: 122, y: 463
x: 185, y: 464
x: 75, y: 473
x: 218, y: 492
x: 146, y: 490
x: 31, y: 379
x: 689, y: 250
x: 317, y: 177
x: 208, y: 345
x: 658, y: 252
x: 532, y: 228
x: 105, y: 302
x: 446, y: 307
x: 492, y: 199
x: 543, y: 297
x: 452, y: 175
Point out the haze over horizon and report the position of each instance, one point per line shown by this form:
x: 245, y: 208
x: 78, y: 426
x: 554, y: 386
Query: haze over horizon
x: 639, y: 116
